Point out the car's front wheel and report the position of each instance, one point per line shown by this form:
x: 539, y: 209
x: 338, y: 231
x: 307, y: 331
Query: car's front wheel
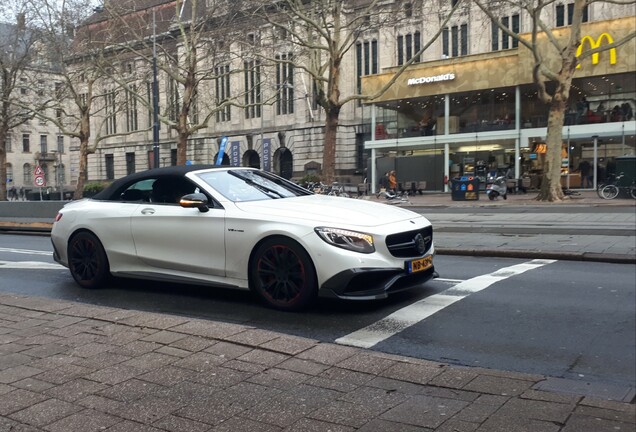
x: 283, y: 275
x: 87, y: 260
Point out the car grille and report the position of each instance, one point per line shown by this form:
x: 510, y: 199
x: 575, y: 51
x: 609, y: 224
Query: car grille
x: 410, y: 243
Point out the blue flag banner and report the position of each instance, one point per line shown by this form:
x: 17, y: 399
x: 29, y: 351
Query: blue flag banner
x: 219, y: 157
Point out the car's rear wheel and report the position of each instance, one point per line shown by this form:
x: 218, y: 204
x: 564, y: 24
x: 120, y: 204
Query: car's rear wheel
x: 283, y: 275
x: 87, y: 260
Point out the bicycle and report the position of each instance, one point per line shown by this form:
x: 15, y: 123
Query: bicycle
x: 394, y: 197
x: 613, y: 189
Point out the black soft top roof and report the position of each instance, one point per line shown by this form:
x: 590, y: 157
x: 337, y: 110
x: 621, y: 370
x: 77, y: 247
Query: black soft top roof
x: 115, y: 188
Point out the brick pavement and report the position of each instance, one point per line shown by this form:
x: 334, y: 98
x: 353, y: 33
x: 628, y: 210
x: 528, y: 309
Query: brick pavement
x: 68, y: 367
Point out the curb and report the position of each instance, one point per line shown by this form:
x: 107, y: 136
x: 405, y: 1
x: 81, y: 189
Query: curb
x: 531, y: 254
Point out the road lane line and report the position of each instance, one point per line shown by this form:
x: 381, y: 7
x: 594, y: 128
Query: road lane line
x: 418, y: 311
x: 25, y: 251
x: 33, y: 265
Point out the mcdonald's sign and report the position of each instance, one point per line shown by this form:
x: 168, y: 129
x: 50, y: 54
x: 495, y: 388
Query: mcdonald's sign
x: 595, y: 44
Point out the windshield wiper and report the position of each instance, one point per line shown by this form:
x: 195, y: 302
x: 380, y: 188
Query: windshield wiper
x: 267, y: 191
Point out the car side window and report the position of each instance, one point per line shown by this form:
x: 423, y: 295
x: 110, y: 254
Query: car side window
x: 137, y: 192
x: 169, y: 190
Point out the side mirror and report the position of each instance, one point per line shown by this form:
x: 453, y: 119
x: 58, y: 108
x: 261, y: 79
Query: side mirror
x: 195, y: 200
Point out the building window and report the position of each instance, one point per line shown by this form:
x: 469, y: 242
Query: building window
x: 150, y: 105
x: 9, y: 168
x: 408, y: 10
x: 173, y: 99
x: 130, y: 163
x: 26, y: 143
x: 45, y: 170
x: 561, y: 18
x: 253, y: 91
x: 61, y: 176
x: 44, y: 146
x: 223, y: 94
x: 408, y: 46
x: 24, y: 86
x: 173, y: 157
x: 501, y: 38
x: 60, y: 144
x: 284, y: 84
x: 455, y: 41
x: 40, y: 88
x: 111, y: 113
x: 109, y: 161
x: 132, y: 123
x: 366, y: 60
x: 27, y: 174
x: 7, y: 143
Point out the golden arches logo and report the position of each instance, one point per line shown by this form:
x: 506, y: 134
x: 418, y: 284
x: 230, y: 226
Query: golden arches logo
x: 595, y: 44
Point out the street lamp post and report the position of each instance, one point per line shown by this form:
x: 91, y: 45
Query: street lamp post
x: 155, y: 97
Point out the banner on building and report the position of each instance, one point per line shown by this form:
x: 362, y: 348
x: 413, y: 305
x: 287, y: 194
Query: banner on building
x: 267, y: 154
x: 219, y: 157
x: 235, y: 153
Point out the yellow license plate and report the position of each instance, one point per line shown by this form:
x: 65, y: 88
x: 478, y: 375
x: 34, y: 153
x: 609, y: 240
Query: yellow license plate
x: 419, y: 264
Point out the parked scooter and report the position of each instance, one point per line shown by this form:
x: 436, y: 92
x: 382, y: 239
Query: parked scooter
x: 498, y: 188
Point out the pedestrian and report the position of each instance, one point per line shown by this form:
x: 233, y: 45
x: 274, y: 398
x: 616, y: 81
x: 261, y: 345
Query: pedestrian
x: 392, y: 181
x: 585, y: 170
x: 384, y: 182
x: 582, y: 107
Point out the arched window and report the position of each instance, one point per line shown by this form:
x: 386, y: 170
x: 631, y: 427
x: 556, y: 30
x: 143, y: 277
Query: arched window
x: 10, y: 178
x: 27, y: 174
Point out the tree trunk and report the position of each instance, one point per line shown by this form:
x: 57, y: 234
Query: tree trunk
x: 182, y: 141
x: 551, y: 185
x: 329, y: 150
x: 83, y: 169
x: 3, y: 166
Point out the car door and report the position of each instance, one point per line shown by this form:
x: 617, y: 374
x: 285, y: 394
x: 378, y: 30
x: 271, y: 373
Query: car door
x: 174, y: 238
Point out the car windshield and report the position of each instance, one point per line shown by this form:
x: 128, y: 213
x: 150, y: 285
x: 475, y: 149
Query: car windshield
x: 251, y: 185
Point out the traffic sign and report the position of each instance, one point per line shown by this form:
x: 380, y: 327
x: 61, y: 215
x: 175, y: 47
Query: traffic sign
x: 39, y: 181
x: 38, y: 171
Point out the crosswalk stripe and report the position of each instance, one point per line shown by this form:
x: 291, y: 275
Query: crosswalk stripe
x: 34, y: 265
x: 406, y: 317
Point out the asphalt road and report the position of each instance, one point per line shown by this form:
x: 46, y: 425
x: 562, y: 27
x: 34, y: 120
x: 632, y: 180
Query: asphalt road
x: 559, y: 318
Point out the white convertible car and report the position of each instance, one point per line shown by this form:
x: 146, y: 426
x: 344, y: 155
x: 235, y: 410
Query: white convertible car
x: 243, y: 228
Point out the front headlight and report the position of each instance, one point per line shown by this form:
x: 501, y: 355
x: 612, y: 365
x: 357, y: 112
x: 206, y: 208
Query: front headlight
x: 350, y: 240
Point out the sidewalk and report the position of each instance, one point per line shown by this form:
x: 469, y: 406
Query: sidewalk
x: 67, y: 367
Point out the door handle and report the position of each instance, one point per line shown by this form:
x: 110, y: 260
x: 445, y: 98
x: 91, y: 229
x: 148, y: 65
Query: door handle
x: 148, y: 211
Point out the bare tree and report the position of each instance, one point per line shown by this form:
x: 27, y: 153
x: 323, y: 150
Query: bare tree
x: 560, y: 73
x: 183, y: 42
x: 323, y: 33
x: 17, y: 50
x: 84, y: 103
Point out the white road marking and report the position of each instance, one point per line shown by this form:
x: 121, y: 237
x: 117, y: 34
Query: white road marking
x: 33, y: 265
x: 25, y: 251
x: 412, y: 314
x: 456, y: 281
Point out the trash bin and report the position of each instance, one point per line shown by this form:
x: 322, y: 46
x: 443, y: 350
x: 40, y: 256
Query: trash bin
x: 626, y: 165
x: 465, y: 189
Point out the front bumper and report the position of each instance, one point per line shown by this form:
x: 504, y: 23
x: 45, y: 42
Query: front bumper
x: 373, y: 283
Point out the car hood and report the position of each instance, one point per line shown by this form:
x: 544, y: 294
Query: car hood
x: 329, y: 210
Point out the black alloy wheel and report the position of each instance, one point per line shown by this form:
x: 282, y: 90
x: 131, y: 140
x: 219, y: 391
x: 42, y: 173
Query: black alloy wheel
x: 87, y: 260
x: 282, y: 274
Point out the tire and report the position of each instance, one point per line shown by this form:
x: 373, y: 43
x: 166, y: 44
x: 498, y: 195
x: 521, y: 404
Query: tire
x: 609, y: 192
x: 282, y: 275
x: 87, y: 260
x: 599, y: 190
x: 491, y: 196
x: 632, y: 192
